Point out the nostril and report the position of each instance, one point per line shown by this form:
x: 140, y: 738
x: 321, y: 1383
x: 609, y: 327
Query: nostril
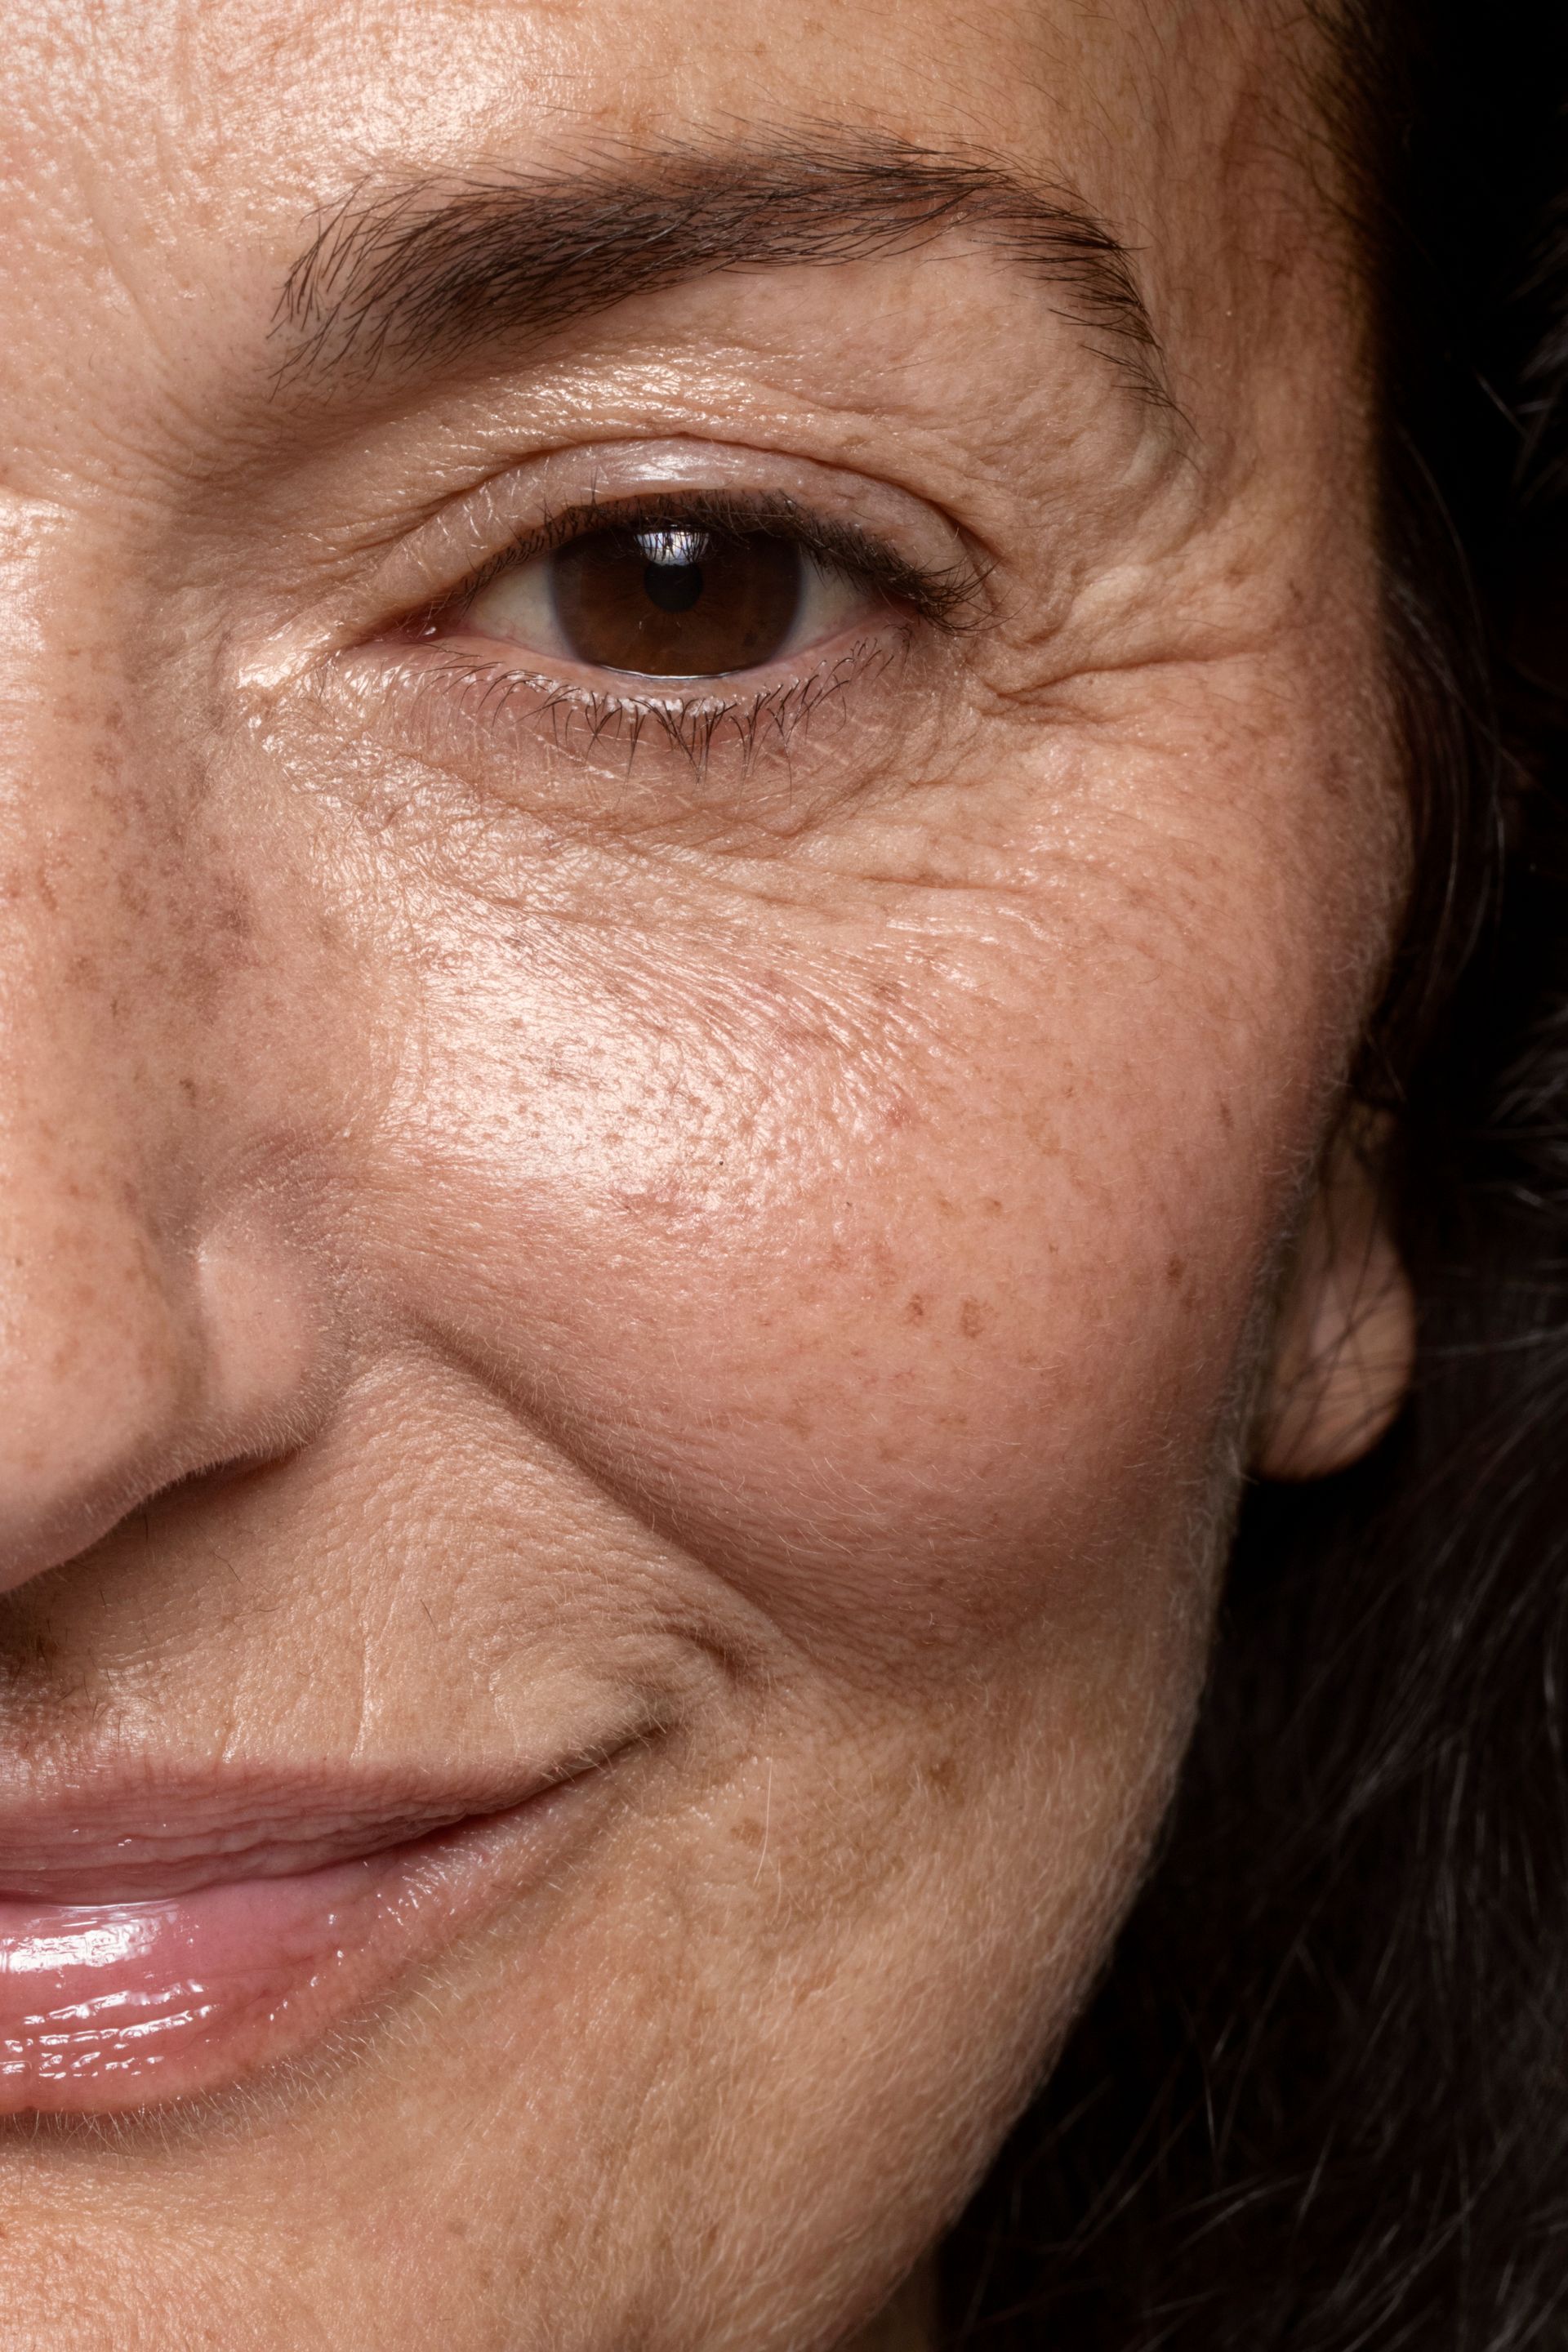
x: 123, y: 1376
x: 91, y: 1414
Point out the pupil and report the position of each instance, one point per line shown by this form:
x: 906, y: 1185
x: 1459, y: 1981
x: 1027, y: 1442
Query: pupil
x: 674, y: 602
x: 673, y: 587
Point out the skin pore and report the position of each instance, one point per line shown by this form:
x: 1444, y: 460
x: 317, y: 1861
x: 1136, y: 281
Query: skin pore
x: 737, y: 1239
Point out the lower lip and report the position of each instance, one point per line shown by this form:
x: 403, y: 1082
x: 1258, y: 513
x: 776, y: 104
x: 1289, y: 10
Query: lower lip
x: 108, y: 2007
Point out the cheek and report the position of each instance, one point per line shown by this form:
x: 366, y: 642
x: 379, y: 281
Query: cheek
x: 902, y: 1290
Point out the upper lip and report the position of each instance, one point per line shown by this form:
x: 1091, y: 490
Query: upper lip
x: 136, y: 1836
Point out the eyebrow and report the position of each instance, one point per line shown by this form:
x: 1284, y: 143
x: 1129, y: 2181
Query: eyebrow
x: 432, y: 270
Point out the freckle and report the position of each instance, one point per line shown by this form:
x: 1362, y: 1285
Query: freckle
x: 231, y: 912
x: 915, y: 1312
x: 1226, y: 1117
x: 971, y: 1318
x: 1175, y: 1269
x: 992, y: 1205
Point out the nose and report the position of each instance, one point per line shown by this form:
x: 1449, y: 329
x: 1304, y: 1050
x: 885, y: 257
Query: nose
x: 154, y: 1323
x: 129, y: 1359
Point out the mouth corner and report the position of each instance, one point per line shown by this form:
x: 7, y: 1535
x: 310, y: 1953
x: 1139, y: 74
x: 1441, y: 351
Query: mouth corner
x: 153, y: 1950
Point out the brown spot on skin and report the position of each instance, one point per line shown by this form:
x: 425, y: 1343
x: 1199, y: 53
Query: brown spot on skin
x: 1175, y: 1269
x: 971, y: 1318
x: 915, y: 1312
x: 228, y: 909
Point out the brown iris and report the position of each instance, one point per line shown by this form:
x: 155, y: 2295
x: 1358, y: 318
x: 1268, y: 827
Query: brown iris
x: 677, y: 602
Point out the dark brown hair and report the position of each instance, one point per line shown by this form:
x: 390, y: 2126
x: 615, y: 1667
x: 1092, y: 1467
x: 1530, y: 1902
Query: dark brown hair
x: 1321, y: 2100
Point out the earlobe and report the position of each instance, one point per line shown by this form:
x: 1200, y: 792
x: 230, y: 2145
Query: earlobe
x: 1345, y: 1336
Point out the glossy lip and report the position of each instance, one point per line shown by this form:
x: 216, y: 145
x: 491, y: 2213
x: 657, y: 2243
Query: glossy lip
x: 168, y: 1941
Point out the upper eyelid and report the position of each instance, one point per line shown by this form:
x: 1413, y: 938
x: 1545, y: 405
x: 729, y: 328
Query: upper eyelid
x: 412, y: 574
x: 944, y: 595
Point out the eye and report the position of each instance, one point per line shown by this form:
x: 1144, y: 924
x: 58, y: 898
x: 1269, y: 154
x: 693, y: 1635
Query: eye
x: 670, y: 600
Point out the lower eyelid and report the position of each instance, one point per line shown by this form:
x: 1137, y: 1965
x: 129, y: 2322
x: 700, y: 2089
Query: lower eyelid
x: 510, y: 711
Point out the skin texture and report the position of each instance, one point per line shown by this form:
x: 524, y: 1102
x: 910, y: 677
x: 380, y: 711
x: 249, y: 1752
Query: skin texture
x: 506, y: 1237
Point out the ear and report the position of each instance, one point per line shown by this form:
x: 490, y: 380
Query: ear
x: 1346, y: 1338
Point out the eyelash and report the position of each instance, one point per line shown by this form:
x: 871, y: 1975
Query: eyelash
x: 939, y: 598
x: 938, y: 595
x: 765, y: 720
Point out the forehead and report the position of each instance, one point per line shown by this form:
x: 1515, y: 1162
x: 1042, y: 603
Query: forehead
x: 168, y: 159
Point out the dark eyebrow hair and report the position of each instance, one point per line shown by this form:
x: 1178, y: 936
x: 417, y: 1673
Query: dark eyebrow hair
x: 437, y: 268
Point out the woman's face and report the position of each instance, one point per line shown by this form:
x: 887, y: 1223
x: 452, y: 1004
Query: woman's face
x: 696, y: 818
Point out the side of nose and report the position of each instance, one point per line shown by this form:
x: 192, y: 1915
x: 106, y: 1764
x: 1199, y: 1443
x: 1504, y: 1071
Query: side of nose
x: 129, y: 1359
x: 155, y: 1320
